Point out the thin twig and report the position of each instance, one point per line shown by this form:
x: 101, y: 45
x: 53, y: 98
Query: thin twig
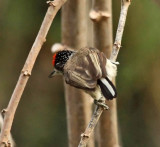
x: 124, y: 9
x: 26, y: 71
x: 87, y: 134
x: 120, y: 29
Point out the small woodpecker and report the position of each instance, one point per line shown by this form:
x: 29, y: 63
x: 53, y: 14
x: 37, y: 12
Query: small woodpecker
x: 87, y: 69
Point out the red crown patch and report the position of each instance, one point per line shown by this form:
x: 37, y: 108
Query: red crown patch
x: 54, y: 58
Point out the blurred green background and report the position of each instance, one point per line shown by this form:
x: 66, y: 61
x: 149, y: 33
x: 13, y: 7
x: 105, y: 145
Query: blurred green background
x: 41, y: 118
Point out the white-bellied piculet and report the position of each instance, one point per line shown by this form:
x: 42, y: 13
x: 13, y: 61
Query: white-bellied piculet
x: 87, y: 69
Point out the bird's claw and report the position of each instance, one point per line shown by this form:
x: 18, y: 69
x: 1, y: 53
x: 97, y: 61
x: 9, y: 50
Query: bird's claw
x: 101, y: 104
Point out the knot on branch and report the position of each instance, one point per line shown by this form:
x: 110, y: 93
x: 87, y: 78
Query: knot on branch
x: 117, y: 45
x: 6, y: 144
x: 26, y: 73
x: 85, y: 135
x: 53, y: 3
x: 126, y: 2
x: 99, y: 15
x: 3, y: 112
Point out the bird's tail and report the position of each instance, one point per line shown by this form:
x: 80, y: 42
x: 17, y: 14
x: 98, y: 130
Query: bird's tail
x: 107, y: 88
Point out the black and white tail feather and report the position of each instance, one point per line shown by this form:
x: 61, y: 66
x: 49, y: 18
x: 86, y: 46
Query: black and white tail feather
x: 107, y: 88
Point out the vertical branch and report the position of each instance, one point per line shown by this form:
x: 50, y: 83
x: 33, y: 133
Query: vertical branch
x: 91, y: 142
x: 74, y: 35
x: 26, y: 71
x: 107, y: 128
x: 99, y: 16
x: 89, y: 25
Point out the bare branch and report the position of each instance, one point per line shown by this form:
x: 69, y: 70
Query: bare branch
x: 87, y: 134
x: 12, y: 143
x: 120, y: 29
x: 124, y: 9
x: 26, y: 71
x: 98, y: 15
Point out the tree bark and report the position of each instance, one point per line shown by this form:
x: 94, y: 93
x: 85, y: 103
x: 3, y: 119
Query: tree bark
x: 74, y: 35
x: 103, y: 40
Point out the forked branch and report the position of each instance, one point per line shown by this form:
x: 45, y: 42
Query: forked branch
x: 116, y: 47
x: 26, y: 71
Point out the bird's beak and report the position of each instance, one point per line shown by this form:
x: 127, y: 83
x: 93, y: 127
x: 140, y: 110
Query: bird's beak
x: 52, y: 74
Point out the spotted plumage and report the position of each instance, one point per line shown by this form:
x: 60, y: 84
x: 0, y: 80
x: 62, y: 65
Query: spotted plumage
x: 60, y: 58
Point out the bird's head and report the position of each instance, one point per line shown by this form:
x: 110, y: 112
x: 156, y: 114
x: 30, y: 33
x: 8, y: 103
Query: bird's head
x: 59, y: 60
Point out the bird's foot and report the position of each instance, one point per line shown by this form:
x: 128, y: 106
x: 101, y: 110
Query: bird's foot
x: 101, y: 103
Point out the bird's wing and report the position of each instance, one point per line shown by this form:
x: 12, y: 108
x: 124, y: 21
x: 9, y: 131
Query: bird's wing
x: 84, y: 68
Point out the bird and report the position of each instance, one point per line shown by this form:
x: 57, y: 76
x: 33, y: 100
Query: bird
x: 88, y: 69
